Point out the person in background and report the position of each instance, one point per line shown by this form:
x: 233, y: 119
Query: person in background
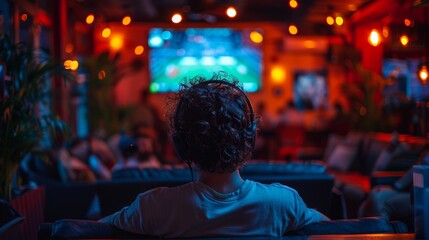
x: 86, y: 160
x: 213, y: 128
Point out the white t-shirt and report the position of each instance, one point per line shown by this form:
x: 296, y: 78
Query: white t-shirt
x: 195, y: 210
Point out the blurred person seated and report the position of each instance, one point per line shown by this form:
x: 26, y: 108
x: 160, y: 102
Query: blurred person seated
x: 136, y: 153
x: 214, y: 129
x: 86, y: 160
x: 394, y: 202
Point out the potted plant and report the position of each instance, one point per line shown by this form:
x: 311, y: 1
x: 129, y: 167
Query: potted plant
x: 23, y: 126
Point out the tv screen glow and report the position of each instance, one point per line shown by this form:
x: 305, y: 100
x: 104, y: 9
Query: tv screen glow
x: 178, y: 53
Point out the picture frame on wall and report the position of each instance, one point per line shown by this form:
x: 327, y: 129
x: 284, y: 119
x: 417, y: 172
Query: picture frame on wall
x: 310, y: 89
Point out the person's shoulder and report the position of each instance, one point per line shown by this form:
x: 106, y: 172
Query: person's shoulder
x: 274, y: 187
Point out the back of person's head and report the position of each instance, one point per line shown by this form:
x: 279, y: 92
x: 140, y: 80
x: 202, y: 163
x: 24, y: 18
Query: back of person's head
x: 212, y: 123
x: 127, y: 146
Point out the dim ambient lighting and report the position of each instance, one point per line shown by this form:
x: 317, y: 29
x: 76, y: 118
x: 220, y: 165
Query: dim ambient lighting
x: 231, y: 12
x: 293, y: 3
x: 116, y: 42
x: 139, y: 50
x: 256, y: 37
x: 385, y: 31
x: 106, y: 32
x: 374, y: 38
x: 126, y: 20
x: 293, y: 29
x: 90, y: 19
x: 330, y: 20
x: 176, y: 18
x: 278, y: 75
x: 404, y: 40
x: 339, y: 21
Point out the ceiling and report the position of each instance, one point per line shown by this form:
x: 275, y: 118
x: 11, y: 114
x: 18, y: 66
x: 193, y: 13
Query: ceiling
x: 311, y: 14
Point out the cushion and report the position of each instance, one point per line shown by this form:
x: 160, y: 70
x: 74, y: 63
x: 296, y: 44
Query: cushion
x: 342, y: 157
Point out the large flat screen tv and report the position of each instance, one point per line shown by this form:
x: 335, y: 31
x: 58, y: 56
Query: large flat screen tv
x: 178, y: 53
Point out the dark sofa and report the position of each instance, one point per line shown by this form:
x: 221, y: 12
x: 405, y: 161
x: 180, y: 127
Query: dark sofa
x: 85, y: 229
x: 309, y: 179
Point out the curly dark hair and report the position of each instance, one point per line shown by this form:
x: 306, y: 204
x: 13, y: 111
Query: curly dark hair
x: 211, y: 123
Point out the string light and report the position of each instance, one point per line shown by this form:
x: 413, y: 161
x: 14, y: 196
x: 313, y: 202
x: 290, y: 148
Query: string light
x: 404, y: 40
x: 374, y: 38
x: 176, y: 18
x: 293, y: 3
x: 106, y: 33
x: 89, y: 19
x: 407, y: 22
x: 339, y: 20
x: 231, y: 12
x: 256, y: 37
x: 126, y: 20
x: 139, y: 50
x: 330, y: 20
x: 293, y: 29
x: 423, y: 74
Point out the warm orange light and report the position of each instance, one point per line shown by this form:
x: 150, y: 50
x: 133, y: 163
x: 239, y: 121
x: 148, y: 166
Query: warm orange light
x: 374, y: 38
x: 69, y: 48
x: 67, y: 64
x: 101, y: 75
x: 339, y: 21
x: 139, y: 50
x: 309, y: 44
x: 278, y: 75
x: 293, y: 3
x: 176, y: 18
x: 231, y: 12
x: 256, y: 37
x: 330, y: 20
x: 89, y: 19
x: 407, y: 22
x: 106, y: 32
x: 24, y: 17
x: 74, y: 65
x: 385, y: 32
x: 404, y: 40
x: 126, y: 20
x: 293, y: 29
x: 423, y: 74
x: 116, y: 42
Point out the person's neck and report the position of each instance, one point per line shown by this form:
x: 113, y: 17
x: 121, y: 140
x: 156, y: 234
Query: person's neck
x: 222, y: 182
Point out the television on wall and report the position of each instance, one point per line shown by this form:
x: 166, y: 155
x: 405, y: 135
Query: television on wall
x: 178, y: 53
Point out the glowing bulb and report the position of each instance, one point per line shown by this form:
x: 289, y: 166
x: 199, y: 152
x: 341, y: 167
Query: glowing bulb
x: 330, y: 20
x: 101, y: 75
x: 293, y: 3
x: 256, y: 37
x: 339, y: 21
x: 404, y: 40
x: 374, y: 38
x: 139, y: 50
x: 90, y: 19
x: 278, y: 74
x: 293, y: 29
x: 126, y: 20
x: 69, y: 48
x: 176, y: 18
x: 231, y: 12
x: 24, y: 17
x: 106, y: 32
x: 67, y: 64
x: 423, y: 74
x: 407, y: 22
x: 116, y: 42
x: 74, y: 65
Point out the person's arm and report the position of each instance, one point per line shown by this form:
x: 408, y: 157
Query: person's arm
x: 303, y: 214
x: 129, y: 218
